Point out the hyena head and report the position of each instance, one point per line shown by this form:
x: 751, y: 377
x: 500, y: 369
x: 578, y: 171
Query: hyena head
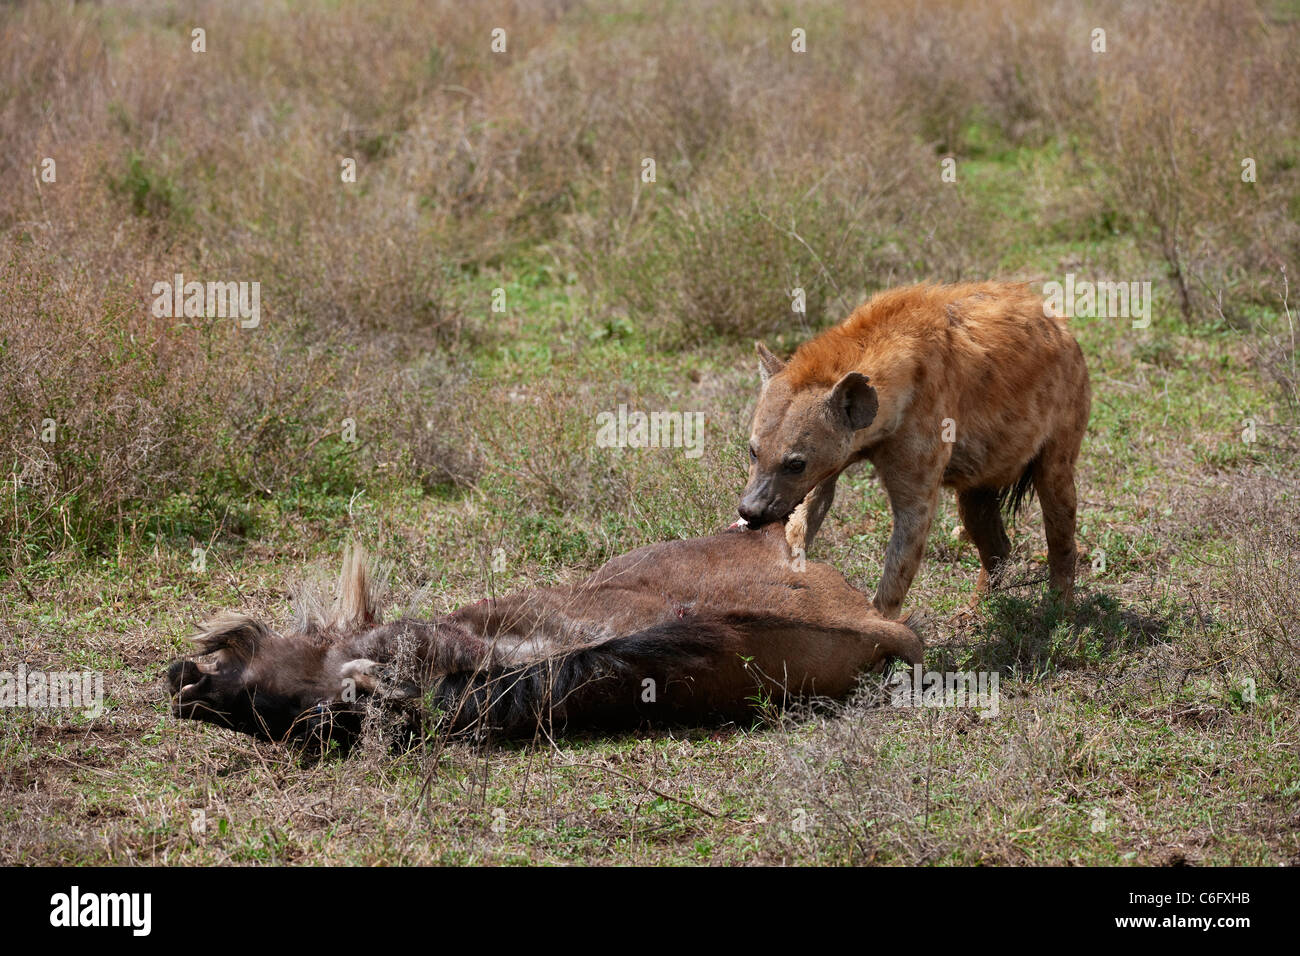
x: 799, y: 436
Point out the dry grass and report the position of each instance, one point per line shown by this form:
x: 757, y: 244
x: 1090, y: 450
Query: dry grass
x: 521, y: 172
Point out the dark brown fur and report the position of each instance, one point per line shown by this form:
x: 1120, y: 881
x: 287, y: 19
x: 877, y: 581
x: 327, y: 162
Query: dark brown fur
x: 683, y: 631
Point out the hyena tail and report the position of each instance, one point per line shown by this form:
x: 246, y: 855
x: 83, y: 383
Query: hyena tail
x: 601, y: 685
x: 1014, y: 497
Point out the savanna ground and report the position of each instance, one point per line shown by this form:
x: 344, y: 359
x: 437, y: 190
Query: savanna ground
x: 1156, y: 725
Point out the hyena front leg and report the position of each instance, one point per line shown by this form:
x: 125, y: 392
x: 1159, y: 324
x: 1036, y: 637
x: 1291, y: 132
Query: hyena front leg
x: 807, y: 519
x: 912, y: 498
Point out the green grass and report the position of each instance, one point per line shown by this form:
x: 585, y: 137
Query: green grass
x: 1093, y: 716
x: 1125, y: 735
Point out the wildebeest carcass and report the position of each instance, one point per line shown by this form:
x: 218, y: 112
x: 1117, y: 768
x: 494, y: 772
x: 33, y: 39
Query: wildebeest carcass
x: 690, y: 631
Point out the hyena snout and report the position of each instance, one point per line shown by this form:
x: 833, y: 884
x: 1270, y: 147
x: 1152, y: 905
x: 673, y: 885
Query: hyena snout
x: 759, y: 507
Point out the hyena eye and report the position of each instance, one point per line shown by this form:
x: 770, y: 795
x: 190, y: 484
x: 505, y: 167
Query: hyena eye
x: 795, y: 465
x: 753, y: 455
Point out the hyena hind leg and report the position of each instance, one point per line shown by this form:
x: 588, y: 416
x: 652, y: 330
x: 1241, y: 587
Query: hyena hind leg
x: 1054, y: 482
x: 982, y: 519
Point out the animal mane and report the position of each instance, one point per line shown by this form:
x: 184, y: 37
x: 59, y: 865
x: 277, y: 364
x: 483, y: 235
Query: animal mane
x: 823, y: 360
x: 239, y: 634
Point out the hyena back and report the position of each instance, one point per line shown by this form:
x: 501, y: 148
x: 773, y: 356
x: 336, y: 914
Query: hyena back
x: 972, y: 386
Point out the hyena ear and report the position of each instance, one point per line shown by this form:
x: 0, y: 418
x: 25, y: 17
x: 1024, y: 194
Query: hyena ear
x: 768, y: 364
x: 853, y: 398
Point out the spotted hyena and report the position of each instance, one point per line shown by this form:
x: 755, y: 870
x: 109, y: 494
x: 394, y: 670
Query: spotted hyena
x: 972, y: 386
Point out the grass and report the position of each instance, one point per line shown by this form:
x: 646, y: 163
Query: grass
x: 1132, y: 709
x: 1155, y: 725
